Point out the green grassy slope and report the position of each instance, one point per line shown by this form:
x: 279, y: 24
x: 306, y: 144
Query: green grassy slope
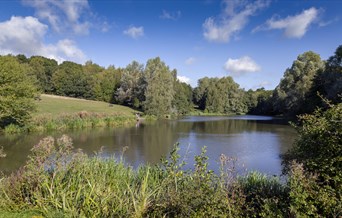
x: 56, y: 105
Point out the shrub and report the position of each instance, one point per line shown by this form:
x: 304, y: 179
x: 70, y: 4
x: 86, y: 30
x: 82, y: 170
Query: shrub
x: 310, y: 197
x: 319, y: 145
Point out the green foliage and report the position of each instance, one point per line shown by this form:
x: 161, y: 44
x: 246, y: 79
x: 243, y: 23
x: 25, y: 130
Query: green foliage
x: 318, y: 151
x: 70, y: 80
x: 219, y: 95
x: 182, y: 102
x: 332, y: 77
x: 290, y: 94
x: 265, y: 196
x: 327, y: 83
x: 79, y: 120
x: 43, y: 69
x: 105, y: 83
x: 309, y: 197
x: 159, y: 90
x: 319, y: 144
x: 17, y: 92
x: 259, y: 101
x: 132, y: 86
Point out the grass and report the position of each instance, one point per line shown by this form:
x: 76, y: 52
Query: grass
x: 56, y: 105
x: 56, y: 113
x: 21, y: 214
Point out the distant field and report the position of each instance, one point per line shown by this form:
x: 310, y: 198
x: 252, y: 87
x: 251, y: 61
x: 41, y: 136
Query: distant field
x: 55, y: 105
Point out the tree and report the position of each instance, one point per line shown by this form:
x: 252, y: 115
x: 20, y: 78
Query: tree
x: 106, y: 83
x: 159, y: 91
x: 220, y: 95
x: 259, y: 101
x: 132, y: 86
x: 328, y: 82
x: 91, y: 68
x: 297, y: 81
x: 200, y: 92
x: 17, y: 92
x: 43, y: 69
x: 182, y: 102
x: 70, y: 80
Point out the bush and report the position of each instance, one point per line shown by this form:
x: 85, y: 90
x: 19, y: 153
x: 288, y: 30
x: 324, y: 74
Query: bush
x: 319, y: 145
x: 310, y: 197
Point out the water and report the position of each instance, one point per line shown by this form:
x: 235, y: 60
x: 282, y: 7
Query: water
x: 257, y: 142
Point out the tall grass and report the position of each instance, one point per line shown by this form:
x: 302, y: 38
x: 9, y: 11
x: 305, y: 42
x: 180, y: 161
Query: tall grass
x: 78, y: 120
x: 58, y: 181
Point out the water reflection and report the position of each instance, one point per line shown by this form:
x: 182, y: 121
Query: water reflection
x: 256, y: 141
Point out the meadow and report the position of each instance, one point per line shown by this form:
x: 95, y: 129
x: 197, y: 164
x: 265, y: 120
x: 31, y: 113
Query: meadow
x: 54, y: 113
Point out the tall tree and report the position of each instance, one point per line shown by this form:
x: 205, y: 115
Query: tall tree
x: 200, y: 92
x: 159, y: 90
x: 182, y: 102
x: 43, y: 68
x: 17, y: 92
x: 220, y: 95
x: 105, y: 84
x: 259, y: 101
x: 291, y: 92
x: 329, y: 81
x: 132, y: 86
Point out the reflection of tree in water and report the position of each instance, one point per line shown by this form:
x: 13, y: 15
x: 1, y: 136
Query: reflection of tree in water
x: 235, y: 126
x: 148, y: 142
x: 223, y: 126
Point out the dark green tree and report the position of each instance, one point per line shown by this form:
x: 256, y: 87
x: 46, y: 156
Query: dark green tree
x: 201, y: 91
x: 259, y: 101
x: 70, y: 80
x: 17, y: 92
x: 328, y: 82
x: 182, y: 102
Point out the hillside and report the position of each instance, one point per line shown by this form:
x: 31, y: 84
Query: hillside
x: 56, y: 105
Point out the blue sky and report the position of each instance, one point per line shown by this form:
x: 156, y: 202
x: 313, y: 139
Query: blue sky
x: 252, y: 41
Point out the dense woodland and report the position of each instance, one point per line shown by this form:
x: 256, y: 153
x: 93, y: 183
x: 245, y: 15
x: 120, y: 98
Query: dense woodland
x: 154, y: 88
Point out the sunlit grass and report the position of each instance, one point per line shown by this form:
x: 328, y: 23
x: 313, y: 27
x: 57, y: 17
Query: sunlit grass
x: 57, y: 105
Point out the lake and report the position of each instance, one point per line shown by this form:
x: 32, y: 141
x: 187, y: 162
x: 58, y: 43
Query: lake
x: 256, y: 141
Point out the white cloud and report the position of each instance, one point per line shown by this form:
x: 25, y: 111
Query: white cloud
x: 232, y: 20
x: 25, y: 35
x: 294, y: 26
x: 190, y: 61
x: 134, y: 32
x: 184, y: 79
x: 62, y: 14
x: 238, y: 67
x: 171, y: 15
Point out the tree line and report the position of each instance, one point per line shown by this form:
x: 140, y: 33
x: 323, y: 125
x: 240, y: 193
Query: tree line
x: 154, y: 88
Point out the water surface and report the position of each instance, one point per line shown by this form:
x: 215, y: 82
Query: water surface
x: 257, y: 141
